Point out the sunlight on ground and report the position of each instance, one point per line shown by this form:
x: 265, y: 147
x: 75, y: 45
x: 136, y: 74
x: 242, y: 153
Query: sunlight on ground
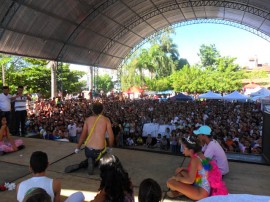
x: 87, y: 194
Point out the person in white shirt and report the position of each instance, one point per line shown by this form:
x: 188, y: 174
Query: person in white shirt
x: 5, y: 105
x: 212, y: 148
x: 72, y: 132
x: 38, y: 165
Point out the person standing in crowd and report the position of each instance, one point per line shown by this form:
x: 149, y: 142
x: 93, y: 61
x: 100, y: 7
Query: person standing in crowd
x: 38, y: 165
x: 79, y: 130
x: 20, y: 100
x: 212, y: 148
x: 94, y: 137
x: 5, y: 105
x: 149, y: 191
x: 72, y: 132
x: 116, y: 132
x: 90, y: 94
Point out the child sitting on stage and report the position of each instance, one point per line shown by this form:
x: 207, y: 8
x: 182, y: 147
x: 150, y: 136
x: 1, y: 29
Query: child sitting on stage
x: 7, y: 144
x: 201, y: 179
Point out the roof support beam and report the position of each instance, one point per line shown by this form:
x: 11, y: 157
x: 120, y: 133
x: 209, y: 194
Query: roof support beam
x: 169, y: 24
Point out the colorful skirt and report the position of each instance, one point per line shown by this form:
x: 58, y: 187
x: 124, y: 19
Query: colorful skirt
x: 7, y: 147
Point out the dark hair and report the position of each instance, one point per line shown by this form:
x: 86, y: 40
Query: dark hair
x: 20, y: 87
x: 191, y: 143
x: 5, y: 87
x: 39, y: 161
x: 1, y: 117
x: 149, y: 191
x: 97, y: 108
x: 114, y: 179
x: 37, y: 195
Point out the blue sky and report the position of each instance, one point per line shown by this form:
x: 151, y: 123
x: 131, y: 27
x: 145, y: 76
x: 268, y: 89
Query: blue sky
x: 229, y: 41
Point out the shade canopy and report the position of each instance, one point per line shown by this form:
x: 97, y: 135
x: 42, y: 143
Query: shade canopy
x: 210, y: 95
x: 134, y: 89
x: 102, y: 33
x: 235, y: 96
x: 181, y: 97
x: 263, y: 92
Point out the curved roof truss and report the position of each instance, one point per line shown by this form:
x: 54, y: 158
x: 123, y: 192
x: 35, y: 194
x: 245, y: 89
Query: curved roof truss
x: 103, y: 32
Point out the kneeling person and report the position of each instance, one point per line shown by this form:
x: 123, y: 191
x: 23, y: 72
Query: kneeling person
x: 94, y: 137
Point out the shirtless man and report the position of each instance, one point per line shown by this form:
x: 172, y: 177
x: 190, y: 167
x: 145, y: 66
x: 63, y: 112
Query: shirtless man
x: 94, y: 137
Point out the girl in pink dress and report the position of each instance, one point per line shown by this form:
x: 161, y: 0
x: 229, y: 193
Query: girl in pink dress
x: 7, y: 144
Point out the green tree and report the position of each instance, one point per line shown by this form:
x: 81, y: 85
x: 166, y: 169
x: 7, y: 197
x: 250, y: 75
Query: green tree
x: 161, y: 59
x: 36, y: 76
x: 37, y: 79
x: 69, y: 80
x: 4, y: 60
x: 129, y: 74
x: 208, y: 55
x: 255, y: 74
x: 105, y: 83
x: 161, y: 84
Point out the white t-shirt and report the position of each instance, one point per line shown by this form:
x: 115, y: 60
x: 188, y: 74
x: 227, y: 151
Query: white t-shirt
x: 5, y: 102
x: 40, y: 182
x: 72, y: 130
x: 214, y: 151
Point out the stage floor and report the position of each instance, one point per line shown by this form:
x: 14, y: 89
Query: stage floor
x: 243, y: 178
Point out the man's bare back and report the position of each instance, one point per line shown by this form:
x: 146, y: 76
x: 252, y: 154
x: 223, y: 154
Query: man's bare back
x: 95, y: 145
x: 98, y: 137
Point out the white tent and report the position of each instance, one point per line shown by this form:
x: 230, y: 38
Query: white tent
x: 263, y: 92
x: 210, y: 95
x: 235, y: 96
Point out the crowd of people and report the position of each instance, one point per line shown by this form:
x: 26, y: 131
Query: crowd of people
x: 236, y: 126
x: 218, y: 126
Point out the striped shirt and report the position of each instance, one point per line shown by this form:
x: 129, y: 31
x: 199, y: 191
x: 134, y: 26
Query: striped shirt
x: 20, y: 103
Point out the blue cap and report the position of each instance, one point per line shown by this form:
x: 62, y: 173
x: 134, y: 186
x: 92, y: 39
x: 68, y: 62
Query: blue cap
x: 203, y: 130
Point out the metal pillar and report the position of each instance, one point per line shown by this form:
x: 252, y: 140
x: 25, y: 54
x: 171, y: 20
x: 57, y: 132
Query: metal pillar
x: 90, y: 78
x: 96, y: 77
x: 53, y: 66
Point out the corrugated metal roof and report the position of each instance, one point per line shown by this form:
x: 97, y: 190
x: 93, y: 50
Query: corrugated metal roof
x: 102, y: 32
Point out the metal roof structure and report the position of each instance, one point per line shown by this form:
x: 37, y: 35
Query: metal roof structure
x: 102, y: 33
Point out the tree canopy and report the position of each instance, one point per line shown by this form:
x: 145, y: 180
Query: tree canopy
x: 160, y: 68
x: 36, y: 76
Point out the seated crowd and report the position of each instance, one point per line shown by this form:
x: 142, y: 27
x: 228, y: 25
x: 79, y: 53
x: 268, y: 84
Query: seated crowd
x: 236, y: 126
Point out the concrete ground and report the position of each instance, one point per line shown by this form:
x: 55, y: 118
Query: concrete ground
x: 243, y: 178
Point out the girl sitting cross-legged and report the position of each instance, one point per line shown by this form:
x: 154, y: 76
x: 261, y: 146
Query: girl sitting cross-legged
x: 7, y: 144
x: 201, y: 179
